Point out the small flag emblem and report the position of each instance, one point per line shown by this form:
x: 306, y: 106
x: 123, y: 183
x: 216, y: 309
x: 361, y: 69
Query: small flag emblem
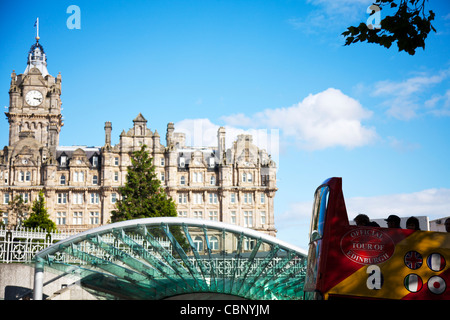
x: 413, y: 282
x: 436, y: 262
x: 413, y: 260
x: 436, y: 285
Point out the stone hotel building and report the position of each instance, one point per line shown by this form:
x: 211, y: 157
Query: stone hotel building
x: 235, y: 185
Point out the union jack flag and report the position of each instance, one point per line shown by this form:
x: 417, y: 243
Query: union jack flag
x: 413, y: 260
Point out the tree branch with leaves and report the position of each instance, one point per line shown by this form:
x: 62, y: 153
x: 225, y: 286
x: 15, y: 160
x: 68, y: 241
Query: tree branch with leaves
x: 409, y: 26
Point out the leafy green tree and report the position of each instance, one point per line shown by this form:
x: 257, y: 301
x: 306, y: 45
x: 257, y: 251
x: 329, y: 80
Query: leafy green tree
x: 142, y: 194
x: 143, y: 197
x: 409, y: 26
x: 39, y: 216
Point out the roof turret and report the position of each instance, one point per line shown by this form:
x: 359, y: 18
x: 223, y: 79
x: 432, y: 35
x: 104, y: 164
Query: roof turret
x: 36, y: 56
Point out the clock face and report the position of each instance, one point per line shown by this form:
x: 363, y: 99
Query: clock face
x: 34, y: 98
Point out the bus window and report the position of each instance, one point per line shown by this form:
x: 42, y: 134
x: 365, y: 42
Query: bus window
x: 319, y: 212
x: 316, y: 233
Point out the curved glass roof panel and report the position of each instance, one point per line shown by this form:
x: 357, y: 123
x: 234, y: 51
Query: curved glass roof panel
x: 157, y: 258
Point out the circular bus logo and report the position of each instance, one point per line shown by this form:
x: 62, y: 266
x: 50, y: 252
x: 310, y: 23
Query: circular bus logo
x: 367, y: 246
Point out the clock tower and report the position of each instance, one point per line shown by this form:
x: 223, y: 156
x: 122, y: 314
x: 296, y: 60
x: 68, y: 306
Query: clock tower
x: 35, y: 103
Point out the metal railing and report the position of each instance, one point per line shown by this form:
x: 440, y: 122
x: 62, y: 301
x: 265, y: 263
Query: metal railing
x: 19, y: 244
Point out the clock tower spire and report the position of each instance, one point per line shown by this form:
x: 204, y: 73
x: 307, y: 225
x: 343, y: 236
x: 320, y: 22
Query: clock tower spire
x: 35, y: 102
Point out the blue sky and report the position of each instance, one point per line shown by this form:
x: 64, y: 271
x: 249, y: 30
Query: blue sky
x: 378, y: 118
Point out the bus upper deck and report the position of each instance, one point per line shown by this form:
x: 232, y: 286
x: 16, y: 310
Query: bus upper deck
x: 348, y: 261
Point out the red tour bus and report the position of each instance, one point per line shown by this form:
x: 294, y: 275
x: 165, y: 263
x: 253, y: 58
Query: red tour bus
x: 348, y: 261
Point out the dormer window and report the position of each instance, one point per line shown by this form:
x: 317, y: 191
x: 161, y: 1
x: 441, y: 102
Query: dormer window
x: 182, y: 162
x: 63, y: 161
x: 95, y: 161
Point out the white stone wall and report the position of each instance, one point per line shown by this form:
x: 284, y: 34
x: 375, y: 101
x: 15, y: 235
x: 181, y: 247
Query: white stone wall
x: 17, y: 279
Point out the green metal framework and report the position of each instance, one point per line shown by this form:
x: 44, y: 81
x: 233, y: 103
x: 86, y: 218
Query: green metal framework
x: 157, y: 258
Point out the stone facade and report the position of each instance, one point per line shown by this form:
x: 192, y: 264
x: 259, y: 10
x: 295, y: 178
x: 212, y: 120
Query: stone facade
x: 235, y: 185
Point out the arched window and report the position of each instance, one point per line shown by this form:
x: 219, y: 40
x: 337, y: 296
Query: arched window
x: 182, y: 180
x: 198, y: 242
x: 62, y: 179
x: 214, y: 243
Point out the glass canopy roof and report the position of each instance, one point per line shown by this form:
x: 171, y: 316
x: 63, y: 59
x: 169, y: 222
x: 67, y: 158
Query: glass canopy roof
x: 158, y: 258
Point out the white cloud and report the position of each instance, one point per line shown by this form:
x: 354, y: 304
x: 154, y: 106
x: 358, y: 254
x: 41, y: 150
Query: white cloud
x: 203, y: 133
x: 326, y: 119
x: 323, y: 120
x: 314, y: 23
x: 402, y: 146
x: 407, y: 87
x: 439, y: 105
x: 431, y: 103
x: 433, y: 203
x: 403, y: 98
x: 340, y: 7
x: 199, y: 132
x: 238, y: 119
x: 297, y: 214
x: 327, y: 16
